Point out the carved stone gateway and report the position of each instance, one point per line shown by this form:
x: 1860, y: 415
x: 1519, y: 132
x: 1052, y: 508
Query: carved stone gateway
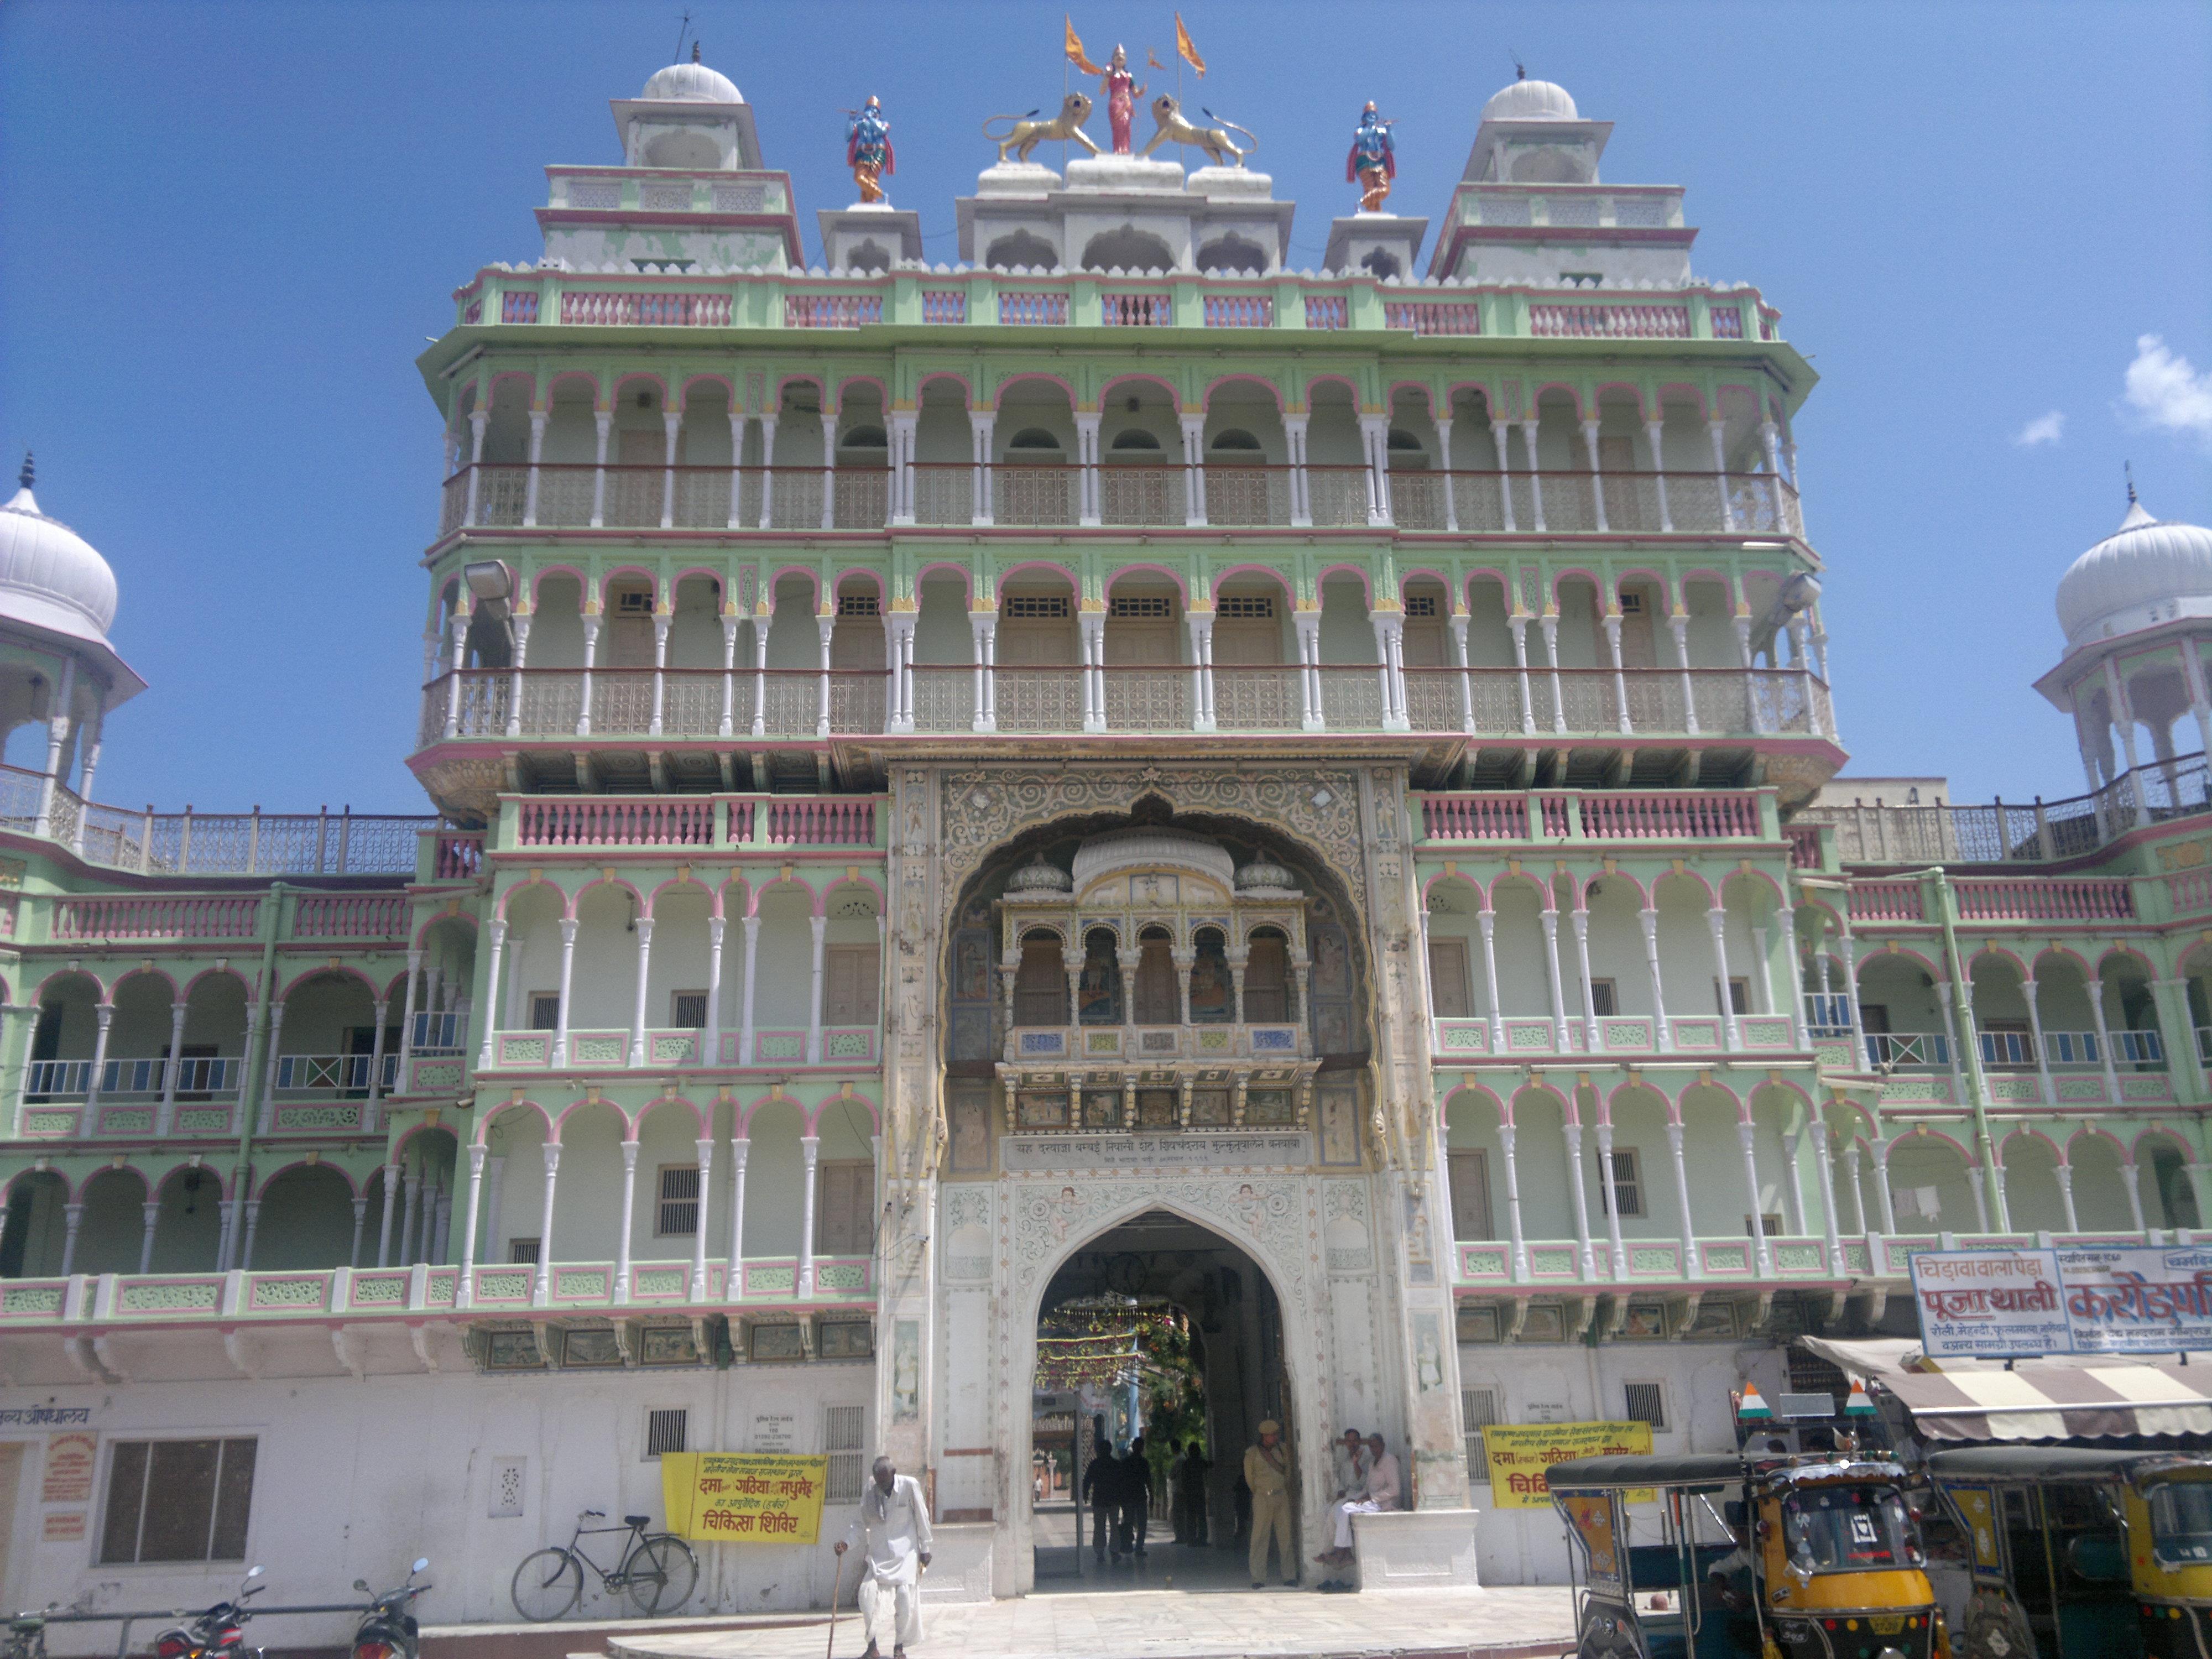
x: 1353, y: 1260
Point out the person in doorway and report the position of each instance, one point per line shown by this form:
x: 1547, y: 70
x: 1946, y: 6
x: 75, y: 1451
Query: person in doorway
x: 1381, y: 1493
x: 1099, y: 1476
x: 1351, y: 1465
x: 1136, y: 1497
x: 893, y: 1525
x: 1190, y: 1494
x: 1268, y: 1472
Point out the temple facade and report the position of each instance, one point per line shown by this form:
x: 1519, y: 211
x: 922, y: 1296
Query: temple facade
x: 1114, y: 768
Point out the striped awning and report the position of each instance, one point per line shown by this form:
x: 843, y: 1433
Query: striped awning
x: 2056, y: 1402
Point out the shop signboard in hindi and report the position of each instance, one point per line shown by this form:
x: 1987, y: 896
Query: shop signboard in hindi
x: 744, y: 1498
x: 1521, y: 1453
x: 2136, y: 1300
x: 1990, y: 1304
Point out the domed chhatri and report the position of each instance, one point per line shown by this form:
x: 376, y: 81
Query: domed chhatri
x: 50, y: 576
x: 1531, y: 101
x: 1038, y: 876
x: 2146, y: 572
x: 1264, y: 875
x: 690, y: 84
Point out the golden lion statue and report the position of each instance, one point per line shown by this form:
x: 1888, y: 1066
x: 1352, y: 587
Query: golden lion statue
x: 1027, y: 133
x: 1214, y: 141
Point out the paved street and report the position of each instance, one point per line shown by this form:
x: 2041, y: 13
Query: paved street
x: 1163, y: 1624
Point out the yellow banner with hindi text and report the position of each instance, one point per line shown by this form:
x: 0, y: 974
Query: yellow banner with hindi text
x: 1520, y: 1453
x: 744, y: 1498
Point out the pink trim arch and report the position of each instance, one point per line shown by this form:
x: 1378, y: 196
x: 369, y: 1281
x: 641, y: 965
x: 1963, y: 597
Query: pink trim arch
x: 507, y: 1107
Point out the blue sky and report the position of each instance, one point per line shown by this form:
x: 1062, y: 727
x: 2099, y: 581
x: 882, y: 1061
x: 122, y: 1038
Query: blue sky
x: 226, y: 229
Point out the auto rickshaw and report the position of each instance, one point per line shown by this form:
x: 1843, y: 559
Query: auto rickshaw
x: 1811, y: 1558
x: 2073, y: 1552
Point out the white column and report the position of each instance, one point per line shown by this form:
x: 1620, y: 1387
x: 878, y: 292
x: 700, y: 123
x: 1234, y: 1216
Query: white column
x: 1501, y: 434
x: 1459, y: 625
x: 412, y: 1185
x: 584, y: 681
x: 1294, y: 434
x: 824, y: 627
x: 270, y: 1071
x: 828, y: 468
x: 1535, y: 478
x: 1951, y: 1041
x: 654, y: 723
x: 1310, y: 708
x: 1597, y: 479
x: 1849, y: 1155
x: 2096, y: 988
x: 811, y: 1147
x: 1717, y: 431
x: 983, y: 632
x: 376, y: 1062
x: 739, y: 1146
x: 541, y: 1293
x: 391, y: 1201
x: 1617, y: 1262
x: 1389, y: 626
x: 1746, y: 1131
x: 1678, y: 624
x: 898, y: 627
x: 521, y: 624
x: 453, y: 678
x: 710, y: 1040
x: 1513, y: 1203
x: 637, y: 1009
x: 768, y: 472
x: 1443, y: 455
x: 1886, y: 1203
x: 901, y: 433
x: 495, y: 929
x: 760, y: 675
x: 2130, y: 1178
x: 729, y: 673
x: 820, y: 926
x: 1517, y: 625
x: 465, y: 1285
x: 2029, y: 990
x: 1375, y: 443
x: 227, y: 1235
x: 1653, y: 431
x: 245, y: 1256
x: 752, y: 982
x: 2123, y: 718
x: 628, y: 1221
x: 2192, y: 671
x: 407, y: 1019
x: 1194, y: 469
x: 1861, y: 1060
x: 603, y: 421
x: 980, y: 422
x: 494, y: 1184
x: 478, y: 421
x: 1662, y: 1032
x: 1978, y: 1180
x: 1592, y: 1037
x: 1487, y: 920
x: 1572, y: 1128
x: 2064, y: 1171
x: 705, y: 1146
x: 1683, y: 1196
x: 1831, y: 1233
x: 151, y: 1211
x: 1550, y: 919
x: 1091, y: 636
x: 95, y: 724
x: 1788, y: 917
x: 1619, y: 671
x: 1717, y: 920
x: 1089, y: 506
x: 165, y: 1115
x: 568, y: 975
x: 537, y: 453
x: 737, y: 468
x: 1200, y: 624
x: 1549, y: 622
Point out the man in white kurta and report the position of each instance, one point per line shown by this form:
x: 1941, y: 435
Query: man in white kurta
x: 1381, y: 1493
x: 893, y: 1526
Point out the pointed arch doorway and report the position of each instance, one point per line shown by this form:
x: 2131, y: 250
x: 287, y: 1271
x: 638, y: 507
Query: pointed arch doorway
x: 1161, y: 1327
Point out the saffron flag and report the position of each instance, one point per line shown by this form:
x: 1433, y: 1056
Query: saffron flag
x: 1186, y: 51
x: 1152, y: 59
x: 1075, y: 50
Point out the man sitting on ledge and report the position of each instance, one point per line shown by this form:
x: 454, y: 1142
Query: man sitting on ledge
x: 1381, y: 1494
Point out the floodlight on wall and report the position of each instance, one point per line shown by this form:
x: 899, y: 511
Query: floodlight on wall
x: 491, y: 585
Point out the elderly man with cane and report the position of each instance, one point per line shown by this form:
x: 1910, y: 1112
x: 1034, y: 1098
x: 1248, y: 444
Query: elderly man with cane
x: 894, y: 1525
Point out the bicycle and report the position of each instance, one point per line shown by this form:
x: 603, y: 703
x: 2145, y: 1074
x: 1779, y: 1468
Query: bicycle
x: 659, y: 1571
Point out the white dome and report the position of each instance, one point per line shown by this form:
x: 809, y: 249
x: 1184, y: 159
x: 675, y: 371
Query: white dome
x: 2143, y: 573
x: 50, y: 576
x: 1531, y: 101
x: 690, y: 84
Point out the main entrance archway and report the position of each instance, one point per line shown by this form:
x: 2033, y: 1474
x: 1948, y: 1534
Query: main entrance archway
x: 1203, y: 1326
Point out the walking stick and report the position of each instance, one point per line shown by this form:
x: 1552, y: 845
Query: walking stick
x: 836, y: 1582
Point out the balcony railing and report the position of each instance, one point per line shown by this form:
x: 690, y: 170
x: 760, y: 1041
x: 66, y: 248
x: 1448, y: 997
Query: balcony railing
x: 1028, y: 1045
x: 556, y: 822
x: 1517, y: 1036
x: 1559, y: 815
x: 66, y: 1079
x: 2006, y: 832
x: 189, y: 843
x: 1999, y: 900
x: 792, y: 704
x: 569, y: 495
x: 335, y: 1074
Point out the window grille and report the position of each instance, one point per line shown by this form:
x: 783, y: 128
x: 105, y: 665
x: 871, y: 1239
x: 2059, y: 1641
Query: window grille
x: 1478, y: 1410
x: 1769, y: 1223
x: 545, y: 1010
x: 1625, y: 1193
x: 1631, y: 605
x: 840, y: 1438
x: 1739, y: 996
x: 1148, y: 607
x: 178, y: 1500
x: 634, y: 602
x: 522, y: 1252
x: 1646, y: 1403
x: 667, y: 1429
x: 1036, y: 607
x: 689, y: 1011
x: 858, y: 604
x: 679, y: 1203
x: 1246, y: 607
x: 1810, y: 1374
x: 1420, y: 605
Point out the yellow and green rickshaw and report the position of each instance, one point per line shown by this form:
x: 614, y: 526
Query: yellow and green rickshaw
x: 2073, y: 1552
x: 1757, y: 1556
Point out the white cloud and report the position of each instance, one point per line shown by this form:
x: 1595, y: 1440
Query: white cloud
x: 2043, y: 429
x: 2168, y: 392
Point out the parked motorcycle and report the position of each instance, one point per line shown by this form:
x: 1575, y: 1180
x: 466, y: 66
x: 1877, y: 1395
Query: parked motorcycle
x: 218, y: 1634
x: 388, y: 1629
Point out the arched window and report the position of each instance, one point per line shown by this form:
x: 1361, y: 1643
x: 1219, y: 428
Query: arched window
x: 1267, y: 999
x: 1213, y: 998
x: 1135, y: 438
x: 1235, y: 440
x: 863, y: 437
x: 1098, y: 993
x: 1041, y: 981
x: 1033, y: 437
x: 1159, y: 1001
x: 1021, y: 251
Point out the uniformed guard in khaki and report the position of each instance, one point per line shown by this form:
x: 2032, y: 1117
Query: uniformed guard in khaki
x: 1268, y: 1472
